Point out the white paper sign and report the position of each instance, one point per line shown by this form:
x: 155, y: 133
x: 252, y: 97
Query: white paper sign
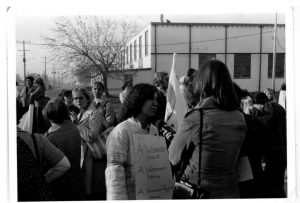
x: 153, y: 174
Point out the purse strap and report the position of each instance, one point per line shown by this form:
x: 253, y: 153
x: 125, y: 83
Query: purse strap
x: 200, y: 147
x: 36, y: 149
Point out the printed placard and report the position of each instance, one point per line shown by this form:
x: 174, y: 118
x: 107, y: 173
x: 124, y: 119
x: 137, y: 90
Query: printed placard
x: 153, y: 173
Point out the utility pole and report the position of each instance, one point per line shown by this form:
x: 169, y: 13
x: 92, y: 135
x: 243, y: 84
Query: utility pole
x: 45, y: 58
x: 24, y: 57
x: 58, y: 80
x: 53, y: 72
x: 274, y: 54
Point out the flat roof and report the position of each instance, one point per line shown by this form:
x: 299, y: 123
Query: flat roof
x: 214, y: 24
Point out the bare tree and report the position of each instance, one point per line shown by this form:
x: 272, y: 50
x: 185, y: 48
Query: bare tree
x: 90, y: 41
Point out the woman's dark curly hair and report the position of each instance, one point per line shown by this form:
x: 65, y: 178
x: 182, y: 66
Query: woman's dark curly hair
x: 135, y: 100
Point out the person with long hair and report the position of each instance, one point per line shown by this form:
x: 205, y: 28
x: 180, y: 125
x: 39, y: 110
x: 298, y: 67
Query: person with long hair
x: 223, y: 133
x: 137, y: 112
x: 90, y: 123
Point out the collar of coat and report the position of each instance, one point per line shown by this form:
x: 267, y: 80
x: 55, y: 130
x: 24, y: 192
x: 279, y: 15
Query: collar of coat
x: 207, y: 103
x: 87, y: 113
x: 103, y: 100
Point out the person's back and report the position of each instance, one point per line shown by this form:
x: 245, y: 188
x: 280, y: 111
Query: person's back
x: 67, y: 139
x: 276, y: 124
x: 223, y: 135
x: 31, y: 180
x: 273, y: 118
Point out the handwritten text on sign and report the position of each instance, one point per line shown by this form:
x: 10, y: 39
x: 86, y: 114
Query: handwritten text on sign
x: 153, y: 174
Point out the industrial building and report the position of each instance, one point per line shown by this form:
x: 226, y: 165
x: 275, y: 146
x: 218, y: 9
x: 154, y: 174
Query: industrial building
x: 247, y: 50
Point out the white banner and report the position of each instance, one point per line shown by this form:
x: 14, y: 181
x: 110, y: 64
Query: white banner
x: 26, y: 122
x: 176, y: 105
x: 153, y: 173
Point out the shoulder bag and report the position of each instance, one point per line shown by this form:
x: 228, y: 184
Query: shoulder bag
x: 186, y: 190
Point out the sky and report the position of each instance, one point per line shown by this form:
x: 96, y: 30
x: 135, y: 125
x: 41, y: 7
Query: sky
x: 31, y: 28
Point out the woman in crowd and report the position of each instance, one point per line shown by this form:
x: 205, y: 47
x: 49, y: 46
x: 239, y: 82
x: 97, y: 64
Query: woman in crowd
x: 39, y: 100
x: 270, y: 94
x: 137, y: 111
x: 185, y: 85
x: 65, y: 136
x: 161, y: 81
x: 223, y: 133
x: 90, y: 123
x: 125, y: 91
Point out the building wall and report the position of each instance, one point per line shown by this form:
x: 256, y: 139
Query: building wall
x: 172, y: 39
x: 165, y: 39
x: 208, y: 39
x: 164, y: 62
x: 249, y: 43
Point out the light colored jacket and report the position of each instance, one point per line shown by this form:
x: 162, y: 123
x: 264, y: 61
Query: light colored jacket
x: 120, y: 174
x: 105, y: 108
x: 223, y: 134
x: 91, y: 124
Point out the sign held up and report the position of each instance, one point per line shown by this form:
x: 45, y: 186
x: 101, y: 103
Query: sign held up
x: 153, y: 174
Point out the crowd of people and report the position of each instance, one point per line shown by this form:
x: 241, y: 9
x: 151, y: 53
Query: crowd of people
x: 81, y: 149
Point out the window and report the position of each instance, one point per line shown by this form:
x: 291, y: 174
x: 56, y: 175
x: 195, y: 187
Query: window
x: 130, y: 53
x: 123, y: 58
x: 205, y: 57
x: 242, y: 65
x: 146, y: 43
x: 126, y: 55
x: 134, y: 48
x: 279, y: 69
x: 128, y: 78
x: 140, y: 47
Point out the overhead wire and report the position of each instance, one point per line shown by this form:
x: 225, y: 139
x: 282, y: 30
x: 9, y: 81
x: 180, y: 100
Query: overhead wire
x: 163, y: 44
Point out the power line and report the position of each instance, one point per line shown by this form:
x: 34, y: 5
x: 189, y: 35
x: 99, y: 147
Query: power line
x: 164, y: 44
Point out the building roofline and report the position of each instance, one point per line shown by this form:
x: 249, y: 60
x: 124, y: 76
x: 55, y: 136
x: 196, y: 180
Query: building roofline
x: 215, y: 24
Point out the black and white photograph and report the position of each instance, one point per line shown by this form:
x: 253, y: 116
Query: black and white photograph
x: 167, y: 102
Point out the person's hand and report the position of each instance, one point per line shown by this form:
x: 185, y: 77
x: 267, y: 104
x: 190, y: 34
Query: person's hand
x: 168, y: 135
x: 74, y: 118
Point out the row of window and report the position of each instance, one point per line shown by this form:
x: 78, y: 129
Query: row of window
x: 133, y: 48
x: 242, y: 64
